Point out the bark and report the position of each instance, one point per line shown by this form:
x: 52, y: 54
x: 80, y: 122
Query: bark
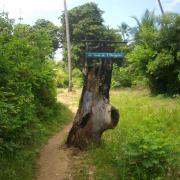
x: 95, y: 113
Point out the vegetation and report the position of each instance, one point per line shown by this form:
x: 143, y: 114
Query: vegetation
x: 21, y: 164
x: 61, y: 76
x: 152, y: 56
x: 145, y: 145
x: 29, y: 112
x: 86, y: 23
x: 153, y: 59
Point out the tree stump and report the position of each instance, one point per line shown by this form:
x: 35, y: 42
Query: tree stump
x: 95, y: 113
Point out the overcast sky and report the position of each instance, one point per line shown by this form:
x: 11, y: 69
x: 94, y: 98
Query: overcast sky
x: 115, y: 11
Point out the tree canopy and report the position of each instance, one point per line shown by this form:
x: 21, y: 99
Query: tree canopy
x: 156, y: 52
x: 86, y: 23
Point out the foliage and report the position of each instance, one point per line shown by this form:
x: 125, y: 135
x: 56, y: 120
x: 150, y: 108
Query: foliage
x: 22, y: 163
x: 147, y: 155
x: 86, y: 23
x: 77, y: 78
x: 125, y: 31
x: 121, y: 77
x: 27, y: 87
x: 155, y: 53
x: 29, y: 113
x: 53, y: 30
x: 62, y: 76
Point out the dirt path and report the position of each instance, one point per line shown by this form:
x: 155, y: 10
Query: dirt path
x: 55, y: 159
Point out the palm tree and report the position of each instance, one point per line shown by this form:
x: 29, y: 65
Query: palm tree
x: 124, y: 30
x: 148, y: 19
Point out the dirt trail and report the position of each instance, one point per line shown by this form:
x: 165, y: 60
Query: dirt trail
x: 55, y: 159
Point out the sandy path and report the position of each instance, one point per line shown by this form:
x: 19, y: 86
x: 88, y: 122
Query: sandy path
x: 55, y: 160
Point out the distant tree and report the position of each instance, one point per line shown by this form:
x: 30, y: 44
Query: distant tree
x: 124, y: 30
x: 86, y: 23
x: 52, y: 29
x: 155, y: 53
x: 148, y: 19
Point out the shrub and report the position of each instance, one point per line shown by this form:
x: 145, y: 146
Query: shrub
x: 148, y: 155
x: 61, y: 78
x: 121, y: 77
x: 77, y: 78
x: 155, y: 55
x: 27, y: 87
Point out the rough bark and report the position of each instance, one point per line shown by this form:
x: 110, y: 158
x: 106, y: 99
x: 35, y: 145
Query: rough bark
x: 95, y: 114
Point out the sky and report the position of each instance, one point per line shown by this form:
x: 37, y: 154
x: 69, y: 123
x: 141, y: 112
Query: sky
x: 115, y: 11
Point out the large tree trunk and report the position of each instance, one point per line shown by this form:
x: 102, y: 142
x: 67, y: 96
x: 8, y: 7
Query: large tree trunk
x: 95, y: 114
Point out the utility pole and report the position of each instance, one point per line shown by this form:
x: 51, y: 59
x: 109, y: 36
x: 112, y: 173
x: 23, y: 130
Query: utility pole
x: 68, y: 46
x: 20, y: 16
x: 3, y: 10
x: 160, y: 5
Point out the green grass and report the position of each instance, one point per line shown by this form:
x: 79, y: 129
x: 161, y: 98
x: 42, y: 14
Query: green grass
x: 145, y: 144
x: 21, y: 164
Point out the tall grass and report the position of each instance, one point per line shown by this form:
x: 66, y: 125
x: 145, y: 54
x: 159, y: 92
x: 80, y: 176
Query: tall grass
x: 145, y: 144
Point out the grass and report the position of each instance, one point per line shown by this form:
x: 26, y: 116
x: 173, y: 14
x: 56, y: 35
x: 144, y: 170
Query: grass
x: 21, y: 164
x: 144, y: 145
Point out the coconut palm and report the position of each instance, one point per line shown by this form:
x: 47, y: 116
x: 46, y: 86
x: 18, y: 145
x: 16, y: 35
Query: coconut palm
x: 148, y: 19
x: 124, y: 30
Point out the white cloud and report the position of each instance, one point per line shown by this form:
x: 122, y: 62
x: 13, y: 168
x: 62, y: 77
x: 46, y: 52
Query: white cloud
x: 170, y: 5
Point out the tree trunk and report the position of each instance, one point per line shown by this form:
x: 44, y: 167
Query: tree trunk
x: 95, y: 114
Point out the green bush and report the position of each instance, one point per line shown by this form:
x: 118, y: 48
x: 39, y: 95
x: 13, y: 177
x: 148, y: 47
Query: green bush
x: 147, y: 155
x: 61, y: 78
x: 155, y: 55
x: 77, y: 78
x: 27, y: 86
x: 121, y: 77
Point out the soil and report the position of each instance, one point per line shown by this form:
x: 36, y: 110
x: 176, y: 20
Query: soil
x: 55, y: 160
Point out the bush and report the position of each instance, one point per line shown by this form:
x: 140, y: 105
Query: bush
x: 77, y: 78
x: 155, y: 55
x: 27, y: 87
x: 121, y: 77
x: 148, y: 155
x: 62, y: 76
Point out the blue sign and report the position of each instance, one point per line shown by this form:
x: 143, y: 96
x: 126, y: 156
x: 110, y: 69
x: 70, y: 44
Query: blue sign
x: 90, y: 55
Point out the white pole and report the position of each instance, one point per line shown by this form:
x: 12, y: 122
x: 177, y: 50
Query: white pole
x: 68, y: 46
